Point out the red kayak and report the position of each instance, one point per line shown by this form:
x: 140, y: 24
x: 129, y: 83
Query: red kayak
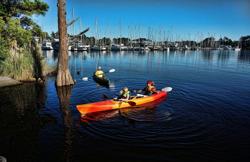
x: 117, y: 104
x: 103, y: 115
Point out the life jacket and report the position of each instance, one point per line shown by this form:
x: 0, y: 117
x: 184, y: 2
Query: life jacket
x: 99, y: 73
x: 125, y: 94
x: 151, y: 88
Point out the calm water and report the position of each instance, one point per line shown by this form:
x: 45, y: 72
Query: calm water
x: 205, y: 118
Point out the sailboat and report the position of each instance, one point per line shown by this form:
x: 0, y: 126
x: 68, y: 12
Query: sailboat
x: 72, y: 44
x: 118, y: 47
x: 47, y: 45
x: 97, y: 46
x: 80, y: 45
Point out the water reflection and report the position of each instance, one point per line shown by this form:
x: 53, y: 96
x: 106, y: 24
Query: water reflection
x: 20, y: 121
x: 198, y: 117
x: 64, y: 94
x: 207, y: 55
x: 223, y: 55
x: 244, y: 56
x: 51, y: 57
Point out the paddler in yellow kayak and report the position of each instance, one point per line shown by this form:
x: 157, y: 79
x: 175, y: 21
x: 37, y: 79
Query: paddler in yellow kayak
x: 99, y: 73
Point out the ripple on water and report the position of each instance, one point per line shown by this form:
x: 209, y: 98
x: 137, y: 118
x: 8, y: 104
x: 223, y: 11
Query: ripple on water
x: 186, y: 119
x: 158, y: 124
x: 206, y: 116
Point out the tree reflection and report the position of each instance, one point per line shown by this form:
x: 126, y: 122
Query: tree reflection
x: 55, y: 55
x: 207, y: 55
x: 20, y: 121
x: 244, y: 56
x: 223, y: 55
x: 64, y: 94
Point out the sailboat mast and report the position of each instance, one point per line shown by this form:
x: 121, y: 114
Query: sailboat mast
x: 96, y: 31
x: 73, y: 26
x: 80, y: 30
x: 120, y: 31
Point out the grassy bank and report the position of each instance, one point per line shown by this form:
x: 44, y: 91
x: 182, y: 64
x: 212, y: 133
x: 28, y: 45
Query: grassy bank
x: 25, y: 64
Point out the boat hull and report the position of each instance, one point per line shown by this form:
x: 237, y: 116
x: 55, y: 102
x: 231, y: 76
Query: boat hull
x: 102, y: 82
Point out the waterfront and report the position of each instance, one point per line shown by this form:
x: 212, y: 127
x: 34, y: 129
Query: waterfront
x: 205, y: 118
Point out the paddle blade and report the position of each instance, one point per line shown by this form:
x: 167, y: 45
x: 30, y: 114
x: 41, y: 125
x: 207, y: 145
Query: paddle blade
x: 167, y: 89
x: 131, y: 103
x: 105, y: 96
x: 85, y: 78
x: 111, y: 70
x: 140, y: 95
x: 111, y: 85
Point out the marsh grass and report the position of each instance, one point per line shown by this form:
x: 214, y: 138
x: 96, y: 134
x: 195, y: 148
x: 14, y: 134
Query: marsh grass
x: 25, y: 64
x: 18, y: 66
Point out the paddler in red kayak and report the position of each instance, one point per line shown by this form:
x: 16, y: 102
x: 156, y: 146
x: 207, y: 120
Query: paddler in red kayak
x: 124, y: 94
x: 150, y: 88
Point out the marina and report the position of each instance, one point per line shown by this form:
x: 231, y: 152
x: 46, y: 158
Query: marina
x: 143, y: 44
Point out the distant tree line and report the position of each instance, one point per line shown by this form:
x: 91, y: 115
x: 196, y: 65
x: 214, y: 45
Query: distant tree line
x: 245, y: 42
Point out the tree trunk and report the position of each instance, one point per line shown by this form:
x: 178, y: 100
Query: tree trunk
x: 63, y: 73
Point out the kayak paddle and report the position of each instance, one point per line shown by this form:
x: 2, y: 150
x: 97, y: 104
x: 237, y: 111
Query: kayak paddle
x: 110, y: 71
x: 131, y: 103
x: 85, y: 78
x: 105, y: 96
x: 167, y: 89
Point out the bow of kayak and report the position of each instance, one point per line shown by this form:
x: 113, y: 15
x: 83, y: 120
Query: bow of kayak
x: 114, y: 104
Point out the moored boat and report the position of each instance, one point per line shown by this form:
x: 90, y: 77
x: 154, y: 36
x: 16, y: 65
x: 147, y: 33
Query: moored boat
x: 98, y: 48
x: 47, y: 45
x: 237, y: 49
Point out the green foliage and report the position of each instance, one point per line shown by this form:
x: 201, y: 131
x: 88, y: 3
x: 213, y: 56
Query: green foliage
x: 3, y: 50
x: 16, y: 32
x: 3, y: 44
x: 28, y: 24
x: 54, y: 35
x: 16, y: 8
x: 125, y: 41
x: 245, y: 42
x: 104, y: 41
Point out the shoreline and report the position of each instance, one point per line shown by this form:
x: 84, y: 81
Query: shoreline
x: 7, y: 82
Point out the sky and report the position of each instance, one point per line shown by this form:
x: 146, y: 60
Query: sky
x: 154, y: 19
